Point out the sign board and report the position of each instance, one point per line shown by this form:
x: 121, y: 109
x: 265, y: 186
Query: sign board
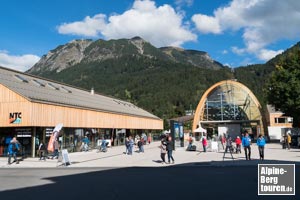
x: 65, y: 157
x: 214, y: 146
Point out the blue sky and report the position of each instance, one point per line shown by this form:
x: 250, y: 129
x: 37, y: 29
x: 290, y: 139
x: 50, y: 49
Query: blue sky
x: 233, y: 32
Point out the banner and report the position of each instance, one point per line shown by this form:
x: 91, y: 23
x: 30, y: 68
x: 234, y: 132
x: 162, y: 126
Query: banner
x: 50, y: 143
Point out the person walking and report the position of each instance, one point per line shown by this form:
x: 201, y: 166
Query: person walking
x: 141, y: 145
x: 261, y: 142
x: 130, y: 145
x: 288, y: 141
x: 163, y: 150
x: 238, y: 143
x: 204, y: 143
x: 127, y: 145
x: 13, y: 149
x: 42, y: 151
x: 228, y: 147
x: 56, y: 147
x: 223, y: 140
x: 228, y: 144
x: 170, y: 149
x: 85, y: 143
x: 149, y: 138
x: 246, y: 142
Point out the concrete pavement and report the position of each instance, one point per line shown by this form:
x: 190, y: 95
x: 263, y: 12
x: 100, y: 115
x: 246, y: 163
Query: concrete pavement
x: 115, y: 158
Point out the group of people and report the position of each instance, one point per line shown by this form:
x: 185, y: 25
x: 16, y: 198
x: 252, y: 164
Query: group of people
x: 245, y: 142
x: 167, y: 147
x: 42, y: 150
x: 227, y: 144
x: 139, y: 142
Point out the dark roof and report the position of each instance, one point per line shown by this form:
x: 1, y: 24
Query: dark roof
x: 184, y: 118
x: 37, y: 89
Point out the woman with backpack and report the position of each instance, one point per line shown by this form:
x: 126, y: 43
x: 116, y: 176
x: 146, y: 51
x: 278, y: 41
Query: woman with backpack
x: 13, y: 149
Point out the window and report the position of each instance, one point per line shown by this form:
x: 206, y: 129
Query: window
x: 53, y: 86
x: 38, y: 83
x: 66, y: 90
x: 283, y: 120
x: 21, y: 78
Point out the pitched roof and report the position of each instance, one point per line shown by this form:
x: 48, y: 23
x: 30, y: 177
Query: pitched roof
x: 41, y: 90
x: 271, y: 109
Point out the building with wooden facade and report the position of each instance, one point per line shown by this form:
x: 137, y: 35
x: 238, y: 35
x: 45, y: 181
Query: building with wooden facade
x: 31, y: 106
x: 278, y: 123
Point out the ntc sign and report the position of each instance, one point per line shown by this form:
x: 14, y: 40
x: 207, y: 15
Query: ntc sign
x: 15, y: 118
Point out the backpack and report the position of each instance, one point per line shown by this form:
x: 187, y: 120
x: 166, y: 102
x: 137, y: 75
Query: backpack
x: 14, y: 147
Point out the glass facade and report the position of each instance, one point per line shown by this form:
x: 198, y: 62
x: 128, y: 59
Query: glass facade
x: 229, y: 103
x: 69, y: 138
x: 229, y: 107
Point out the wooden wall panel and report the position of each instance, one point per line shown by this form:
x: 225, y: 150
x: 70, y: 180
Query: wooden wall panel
x: 10, y: 102
x: 47, y: 115
x: 8, y: 96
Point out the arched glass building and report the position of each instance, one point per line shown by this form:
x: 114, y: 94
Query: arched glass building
x: 229, y: 107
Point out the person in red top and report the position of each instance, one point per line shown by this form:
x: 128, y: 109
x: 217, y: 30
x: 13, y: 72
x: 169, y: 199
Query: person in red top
x: 238, y: 143
x: 204, y: 143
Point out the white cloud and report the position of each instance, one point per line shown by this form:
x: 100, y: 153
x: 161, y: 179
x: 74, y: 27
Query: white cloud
x: 262, y: 22
x: 237, y: 50
x: 20, y: 63
x: 90, y: 27
x: 266, y: 55
x: 161, y: 26
x: 207, y: 24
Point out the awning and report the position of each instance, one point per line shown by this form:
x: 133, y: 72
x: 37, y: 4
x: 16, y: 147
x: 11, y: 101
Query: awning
x: 200, y: 130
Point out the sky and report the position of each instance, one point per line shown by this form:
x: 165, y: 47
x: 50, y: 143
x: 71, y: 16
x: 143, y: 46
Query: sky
x: 233, y: 32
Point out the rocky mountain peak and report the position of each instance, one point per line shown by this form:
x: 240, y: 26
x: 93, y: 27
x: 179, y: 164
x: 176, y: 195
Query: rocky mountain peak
x: 62, y: 57
x: 89, y: 51
x: 139, y: 43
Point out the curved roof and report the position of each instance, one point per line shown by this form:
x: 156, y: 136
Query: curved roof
x: 228, y: 100
x: 40, y: 90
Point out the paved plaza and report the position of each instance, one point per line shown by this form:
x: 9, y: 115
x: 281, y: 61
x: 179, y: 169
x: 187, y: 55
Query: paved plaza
x: 114, y: 175
x: 115, y: 157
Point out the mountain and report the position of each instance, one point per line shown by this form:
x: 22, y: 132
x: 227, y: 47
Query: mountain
x: 165, y: 81
x: 64, y: 56
x: 193, y: 57
x: 86, y: 51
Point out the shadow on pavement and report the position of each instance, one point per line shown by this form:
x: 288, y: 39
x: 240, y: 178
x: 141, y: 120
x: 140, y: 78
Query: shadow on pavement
x: 191, y: 181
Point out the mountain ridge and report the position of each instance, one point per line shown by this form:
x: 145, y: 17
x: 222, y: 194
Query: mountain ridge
x: 76, y: 51
x: 164, y: 81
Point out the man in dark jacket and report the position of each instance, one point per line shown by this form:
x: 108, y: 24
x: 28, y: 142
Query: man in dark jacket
x: 13, y: 149
x: 170, y: 149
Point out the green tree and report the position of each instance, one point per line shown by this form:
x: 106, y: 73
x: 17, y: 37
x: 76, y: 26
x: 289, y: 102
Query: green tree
x: 283, y: 87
